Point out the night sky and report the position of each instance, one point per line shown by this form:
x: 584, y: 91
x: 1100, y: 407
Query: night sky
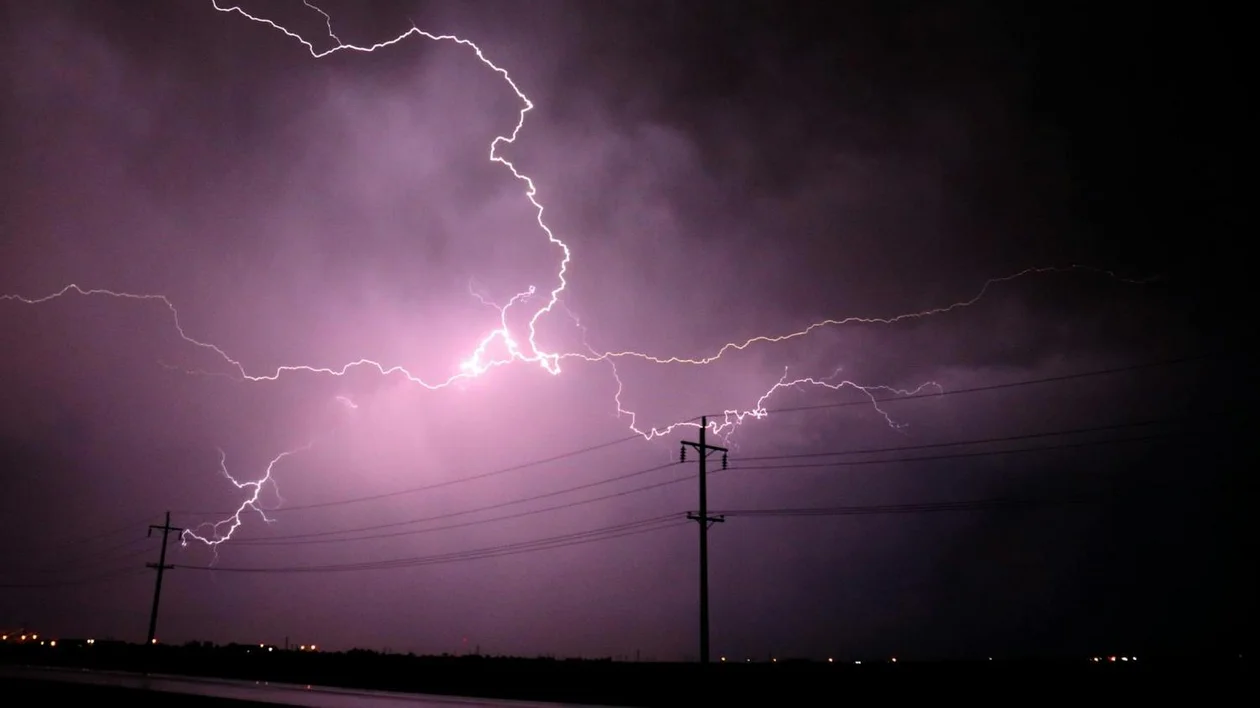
x: 719, y: 172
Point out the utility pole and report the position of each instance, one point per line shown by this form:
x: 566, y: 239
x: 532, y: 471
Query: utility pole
x: 704, y: 520
x: 161, y: 567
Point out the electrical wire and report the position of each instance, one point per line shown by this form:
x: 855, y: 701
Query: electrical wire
x: 962, y: 455
x: 980, y: 441
x: 99, y: 578
x: 97, y: 560
x: 322, y: 537
x: 438, y: 485
x: 919, y: 508
x: 531, y: 512
x: 992, y: 387
x: 489, y: 507
x: 605, y: 533
x: 618, y: 441
x: 136, y: 525
x: 97, y: 556
x: 1110, y: 496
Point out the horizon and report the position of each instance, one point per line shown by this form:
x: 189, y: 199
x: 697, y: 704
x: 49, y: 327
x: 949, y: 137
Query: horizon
x: 33, y: 640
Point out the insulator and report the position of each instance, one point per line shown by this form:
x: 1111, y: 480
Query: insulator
x: 724, y: 460
x: 682, y: 454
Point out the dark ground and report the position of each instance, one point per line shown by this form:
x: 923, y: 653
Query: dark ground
x: 21, y: 692
x: 628, y: 684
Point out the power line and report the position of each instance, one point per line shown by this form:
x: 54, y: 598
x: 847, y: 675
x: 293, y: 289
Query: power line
x: 120, y: 546
x: 98, y: 560
x: 321, y: 537
x: 561, y: 541
x: 994, y: 387
x: 95, y: 558
x: 99, y: 578
x: 132, y: 554
x: 439, y: 485
x: 618, y: 441
x: 531, y: 512
x: 620, y: 530
x: 978, y: 441
x: 918, y: 508
x: 961, y: 505
x: 986, y: 453
x: 490, y: 507
x: 134, y: 525
x: 53, y: 567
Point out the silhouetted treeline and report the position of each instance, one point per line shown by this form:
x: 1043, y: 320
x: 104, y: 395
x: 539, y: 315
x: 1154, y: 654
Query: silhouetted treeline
x: 607, y: 682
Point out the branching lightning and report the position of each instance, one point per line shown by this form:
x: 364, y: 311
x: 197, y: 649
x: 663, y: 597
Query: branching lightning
x: 519, y: 346
x: 775, y: 339
x: 212, y: 534
x: 478, y: 362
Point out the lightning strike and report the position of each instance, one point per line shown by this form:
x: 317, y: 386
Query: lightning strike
x: 775, y: 339
x: 522, y: 347
x: 213, y: 535
x: 477, y: 363
x: 732, y: 418
x: 481, y: 297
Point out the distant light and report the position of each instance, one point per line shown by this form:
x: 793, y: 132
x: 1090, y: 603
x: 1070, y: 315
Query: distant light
x: 1124, y: 658
x: 53, y: 643
x: 1135, y: 658
x: 153, y: 640
x: 830, y: 660
x: 270, y: 648
x: 1111, y: 658
x: 34, y: 637
x: 23, y: 637
x: 312, y: 647
x: 260, y: 646
x: 774, y: 661
x: 723, y: 658
x: 857, y: 662
x: 302, y: 648
x: 41, y: 644
x: 894, y: 660
x: 91, y: 641
x: 5, y: 638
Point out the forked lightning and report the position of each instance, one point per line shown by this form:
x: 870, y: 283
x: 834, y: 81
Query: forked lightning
x: 520, y: 346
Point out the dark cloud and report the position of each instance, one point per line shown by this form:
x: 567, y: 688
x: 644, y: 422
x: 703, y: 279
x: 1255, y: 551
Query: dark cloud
x: 720, y: 173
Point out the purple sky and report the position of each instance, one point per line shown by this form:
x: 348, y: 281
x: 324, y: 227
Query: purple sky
x: 717, y: 175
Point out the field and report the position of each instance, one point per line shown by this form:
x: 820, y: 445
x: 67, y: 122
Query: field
x: 652, y: 684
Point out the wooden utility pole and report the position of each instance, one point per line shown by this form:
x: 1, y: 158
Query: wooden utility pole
x: 704, y: 520
x: 161, y: 567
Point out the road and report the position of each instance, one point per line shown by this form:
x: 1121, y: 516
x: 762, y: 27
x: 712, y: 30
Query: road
x: 262, y: 691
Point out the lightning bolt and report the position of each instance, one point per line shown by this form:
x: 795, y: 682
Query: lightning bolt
x: 775, y: 339
x: 478, y: 362
x: 732, y: 418
x: 526, y: 348
x: 213, y: 534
